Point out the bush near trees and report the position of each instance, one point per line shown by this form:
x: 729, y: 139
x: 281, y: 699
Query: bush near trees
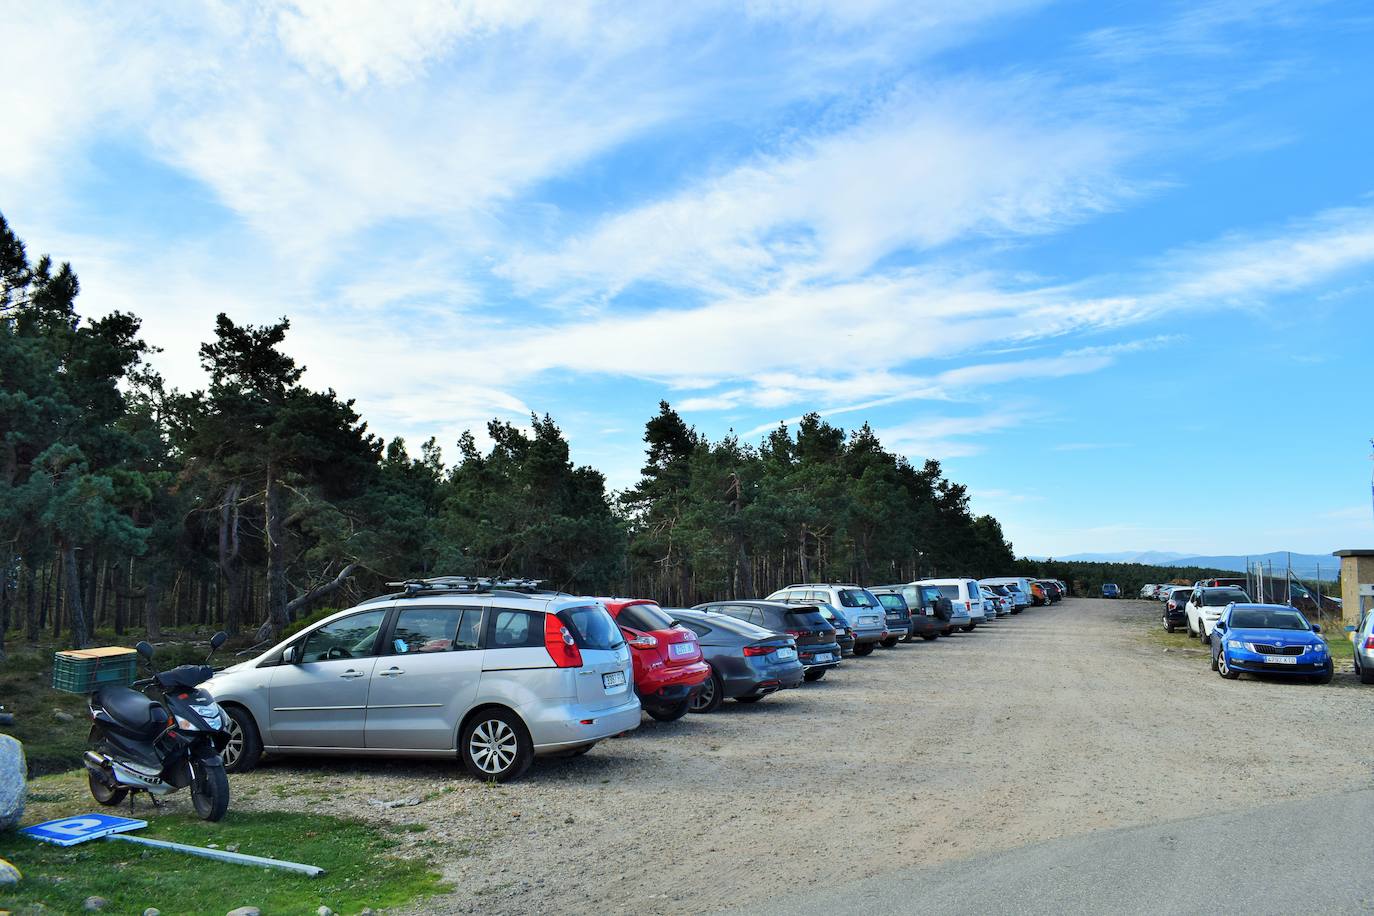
x: 256, y: 500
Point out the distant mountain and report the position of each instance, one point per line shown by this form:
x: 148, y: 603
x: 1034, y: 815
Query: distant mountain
x: 1305, y: 565
x: 1150, y: 557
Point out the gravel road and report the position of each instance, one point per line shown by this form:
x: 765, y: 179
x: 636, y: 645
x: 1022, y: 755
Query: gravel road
x: 1051, y: 724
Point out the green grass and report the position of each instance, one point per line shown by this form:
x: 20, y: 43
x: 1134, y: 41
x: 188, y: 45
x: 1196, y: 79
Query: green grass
x: 362, y: 868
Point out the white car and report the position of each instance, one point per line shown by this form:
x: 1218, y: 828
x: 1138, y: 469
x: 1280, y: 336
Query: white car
x: 1149, y: 591
x: 1205, y: 606
x: 1019, y: 586
x: 963, y: 593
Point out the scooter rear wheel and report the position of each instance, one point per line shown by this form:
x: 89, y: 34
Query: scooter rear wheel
x: 209, y: 790
x: 103, y: 793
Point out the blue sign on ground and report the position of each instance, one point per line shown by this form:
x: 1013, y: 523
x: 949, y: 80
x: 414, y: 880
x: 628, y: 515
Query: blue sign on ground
x: 68, y: 831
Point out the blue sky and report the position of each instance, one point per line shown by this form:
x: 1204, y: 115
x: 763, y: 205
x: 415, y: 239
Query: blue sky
x: 1112, y: 263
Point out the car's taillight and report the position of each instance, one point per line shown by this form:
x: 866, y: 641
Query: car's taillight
x: 759, y: 650
x: 560, y: 643
x: 968, y: 605
x: 1369, y: 642
x: 643, y: 641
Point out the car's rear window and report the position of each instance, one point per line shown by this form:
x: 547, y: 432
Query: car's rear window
x: 729, y: 625
x: 856, y: 597
x: 1222, y: 598
x: 892, y: 602
x: 591, y: 627
x: 644, y: 617
x: 805, y: 617
x: 1266, y: 618
x: 949, y: 591
x: 1013, y: 586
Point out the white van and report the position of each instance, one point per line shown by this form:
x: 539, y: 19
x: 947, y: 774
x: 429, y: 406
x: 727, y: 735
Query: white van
x: 1020, y: 588
x: 962, y: 593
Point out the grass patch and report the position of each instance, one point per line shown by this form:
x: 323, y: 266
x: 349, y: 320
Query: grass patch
x: 362, y: 868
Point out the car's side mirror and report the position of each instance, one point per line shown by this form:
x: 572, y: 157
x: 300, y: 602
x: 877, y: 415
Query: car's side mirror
x: 1316, y: 628
x: 218, y: 640
x: 1220, y: 627
x: 290, y: 655
x: 145, y: 651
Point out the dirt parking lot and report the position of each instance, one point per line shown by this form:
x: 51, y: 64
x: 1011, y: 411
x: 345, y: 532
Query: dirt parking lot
x: 1058, y: 722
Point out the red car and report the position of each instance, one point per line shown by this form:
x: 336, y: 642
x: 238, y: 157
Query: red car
x: 669, y: 669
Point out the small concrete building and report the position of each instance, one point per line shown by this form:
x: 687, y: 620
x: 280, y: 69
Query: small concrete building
x: 1357, y: 569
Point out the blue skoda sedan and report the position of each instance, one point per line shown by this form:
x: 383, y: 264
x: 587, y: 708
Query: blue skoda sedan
x: 1268, y: 639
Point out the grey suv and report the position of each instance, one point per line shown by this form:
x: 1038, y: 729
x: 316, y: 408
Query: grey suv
x: 491, y: 672
x: 857, y: 605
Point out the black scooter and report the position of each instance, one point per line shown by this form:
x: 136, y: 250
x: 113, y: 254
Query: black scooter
x: 165, y: 735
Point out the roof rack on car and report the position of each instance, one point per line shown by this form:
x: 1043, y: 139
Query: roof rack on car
x: 481, y: 584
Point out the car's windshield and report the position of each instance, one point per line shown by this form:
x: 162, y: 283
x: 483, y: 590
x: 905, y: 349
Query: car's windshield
x: 1222, y: 597
x: 1268, y: 618
x: 592, y: 627
x: 857, y: 597
x: 644, y: 617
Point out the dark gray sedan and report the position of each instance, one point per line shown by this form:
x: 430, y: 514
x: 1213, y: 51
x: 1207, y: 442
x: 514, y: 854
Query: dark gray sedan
x: 747, y: 662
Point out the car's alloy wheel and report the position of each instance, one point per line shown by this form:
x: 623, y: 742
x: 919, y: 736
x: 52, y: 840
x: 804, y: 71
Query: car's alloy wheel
x: 244, y: 748
x: 711, y: 695
x: 496, y: 747
x: 1224, y: 669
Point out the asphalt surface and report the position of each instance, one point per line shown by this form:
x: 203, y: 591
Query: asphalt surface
x: 1309, y: 856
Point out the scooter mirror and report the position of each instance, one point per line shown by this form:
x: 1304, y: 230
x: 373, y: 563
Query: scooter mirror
x: 218, y: 640
x: 145, y: 651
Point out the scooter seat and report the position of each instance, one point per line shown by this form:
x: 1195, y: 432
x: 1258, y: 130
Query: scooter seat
x: 132, y: 710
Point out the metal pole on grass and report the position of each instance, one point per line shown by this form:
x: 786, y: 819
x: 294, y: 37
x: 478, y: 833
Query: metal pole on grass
x: 221, y: 855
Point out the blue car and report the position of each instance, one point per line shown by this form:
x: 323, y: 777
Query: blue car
x: 1111, y: 590
x: 1268, y: 639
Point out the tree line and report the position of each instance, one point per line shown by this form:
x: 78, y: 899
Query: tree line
x: 251, y: 501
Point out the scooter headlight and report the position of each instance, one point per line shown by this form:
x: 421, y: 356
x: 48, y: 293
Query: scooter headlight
x: 210, y: 713
x: 186, y: 725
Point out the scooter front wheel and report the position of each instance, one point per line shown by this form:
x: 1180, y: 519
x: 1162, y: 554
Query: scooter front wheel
x: 209, y: 790
x: 103, y: 793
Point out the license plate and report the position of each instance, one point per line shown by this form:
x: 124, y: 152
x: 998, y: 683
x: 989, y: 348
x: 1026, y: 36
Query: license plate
x: 825, y: 657
x: 614, y: 679
x: 1280, y: 660
x: 682, y: 649
x: 930, y: 612
x: 786, y: 652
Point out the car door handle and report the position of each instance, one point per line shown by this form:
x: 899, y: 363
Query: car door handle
x: 350, y: 673
x: 585, y: 673
x: 392, y: 672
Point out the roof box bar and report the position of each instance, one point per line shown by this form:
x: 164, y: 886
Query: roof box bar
x: 463, y: 584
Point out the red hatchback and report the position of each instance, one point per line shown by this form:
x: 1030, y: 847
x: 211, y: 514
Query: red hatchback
x: 668, y: 665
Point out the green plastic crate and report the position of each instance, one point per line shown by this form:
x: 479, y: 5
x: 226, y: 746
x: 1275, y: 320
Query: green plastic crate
x: 83, y: 670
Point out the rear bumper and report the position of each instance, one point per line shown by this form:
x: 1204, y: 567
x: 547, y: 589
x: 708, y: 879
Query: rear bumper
x: 669, y: 687
x: 923, y: 625
x: 763, y: 680
x: 554, y: 727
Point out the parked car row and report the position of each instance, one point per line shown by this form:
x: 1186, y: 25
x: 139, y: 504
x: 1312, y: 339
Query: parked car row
x: 503, y: 671
x: 1244, y: 637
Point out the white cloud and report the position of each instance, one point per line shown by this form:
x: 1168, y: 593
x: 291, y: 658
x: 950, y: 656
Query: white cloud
x: 923, y: 169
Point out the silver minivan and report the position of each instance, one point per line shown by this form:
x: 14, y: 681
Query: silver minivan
x: 447, y: 666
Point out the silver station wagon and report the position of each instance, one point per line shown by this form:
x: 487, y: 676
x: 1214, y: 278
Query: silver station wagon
x: 495, y: 672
